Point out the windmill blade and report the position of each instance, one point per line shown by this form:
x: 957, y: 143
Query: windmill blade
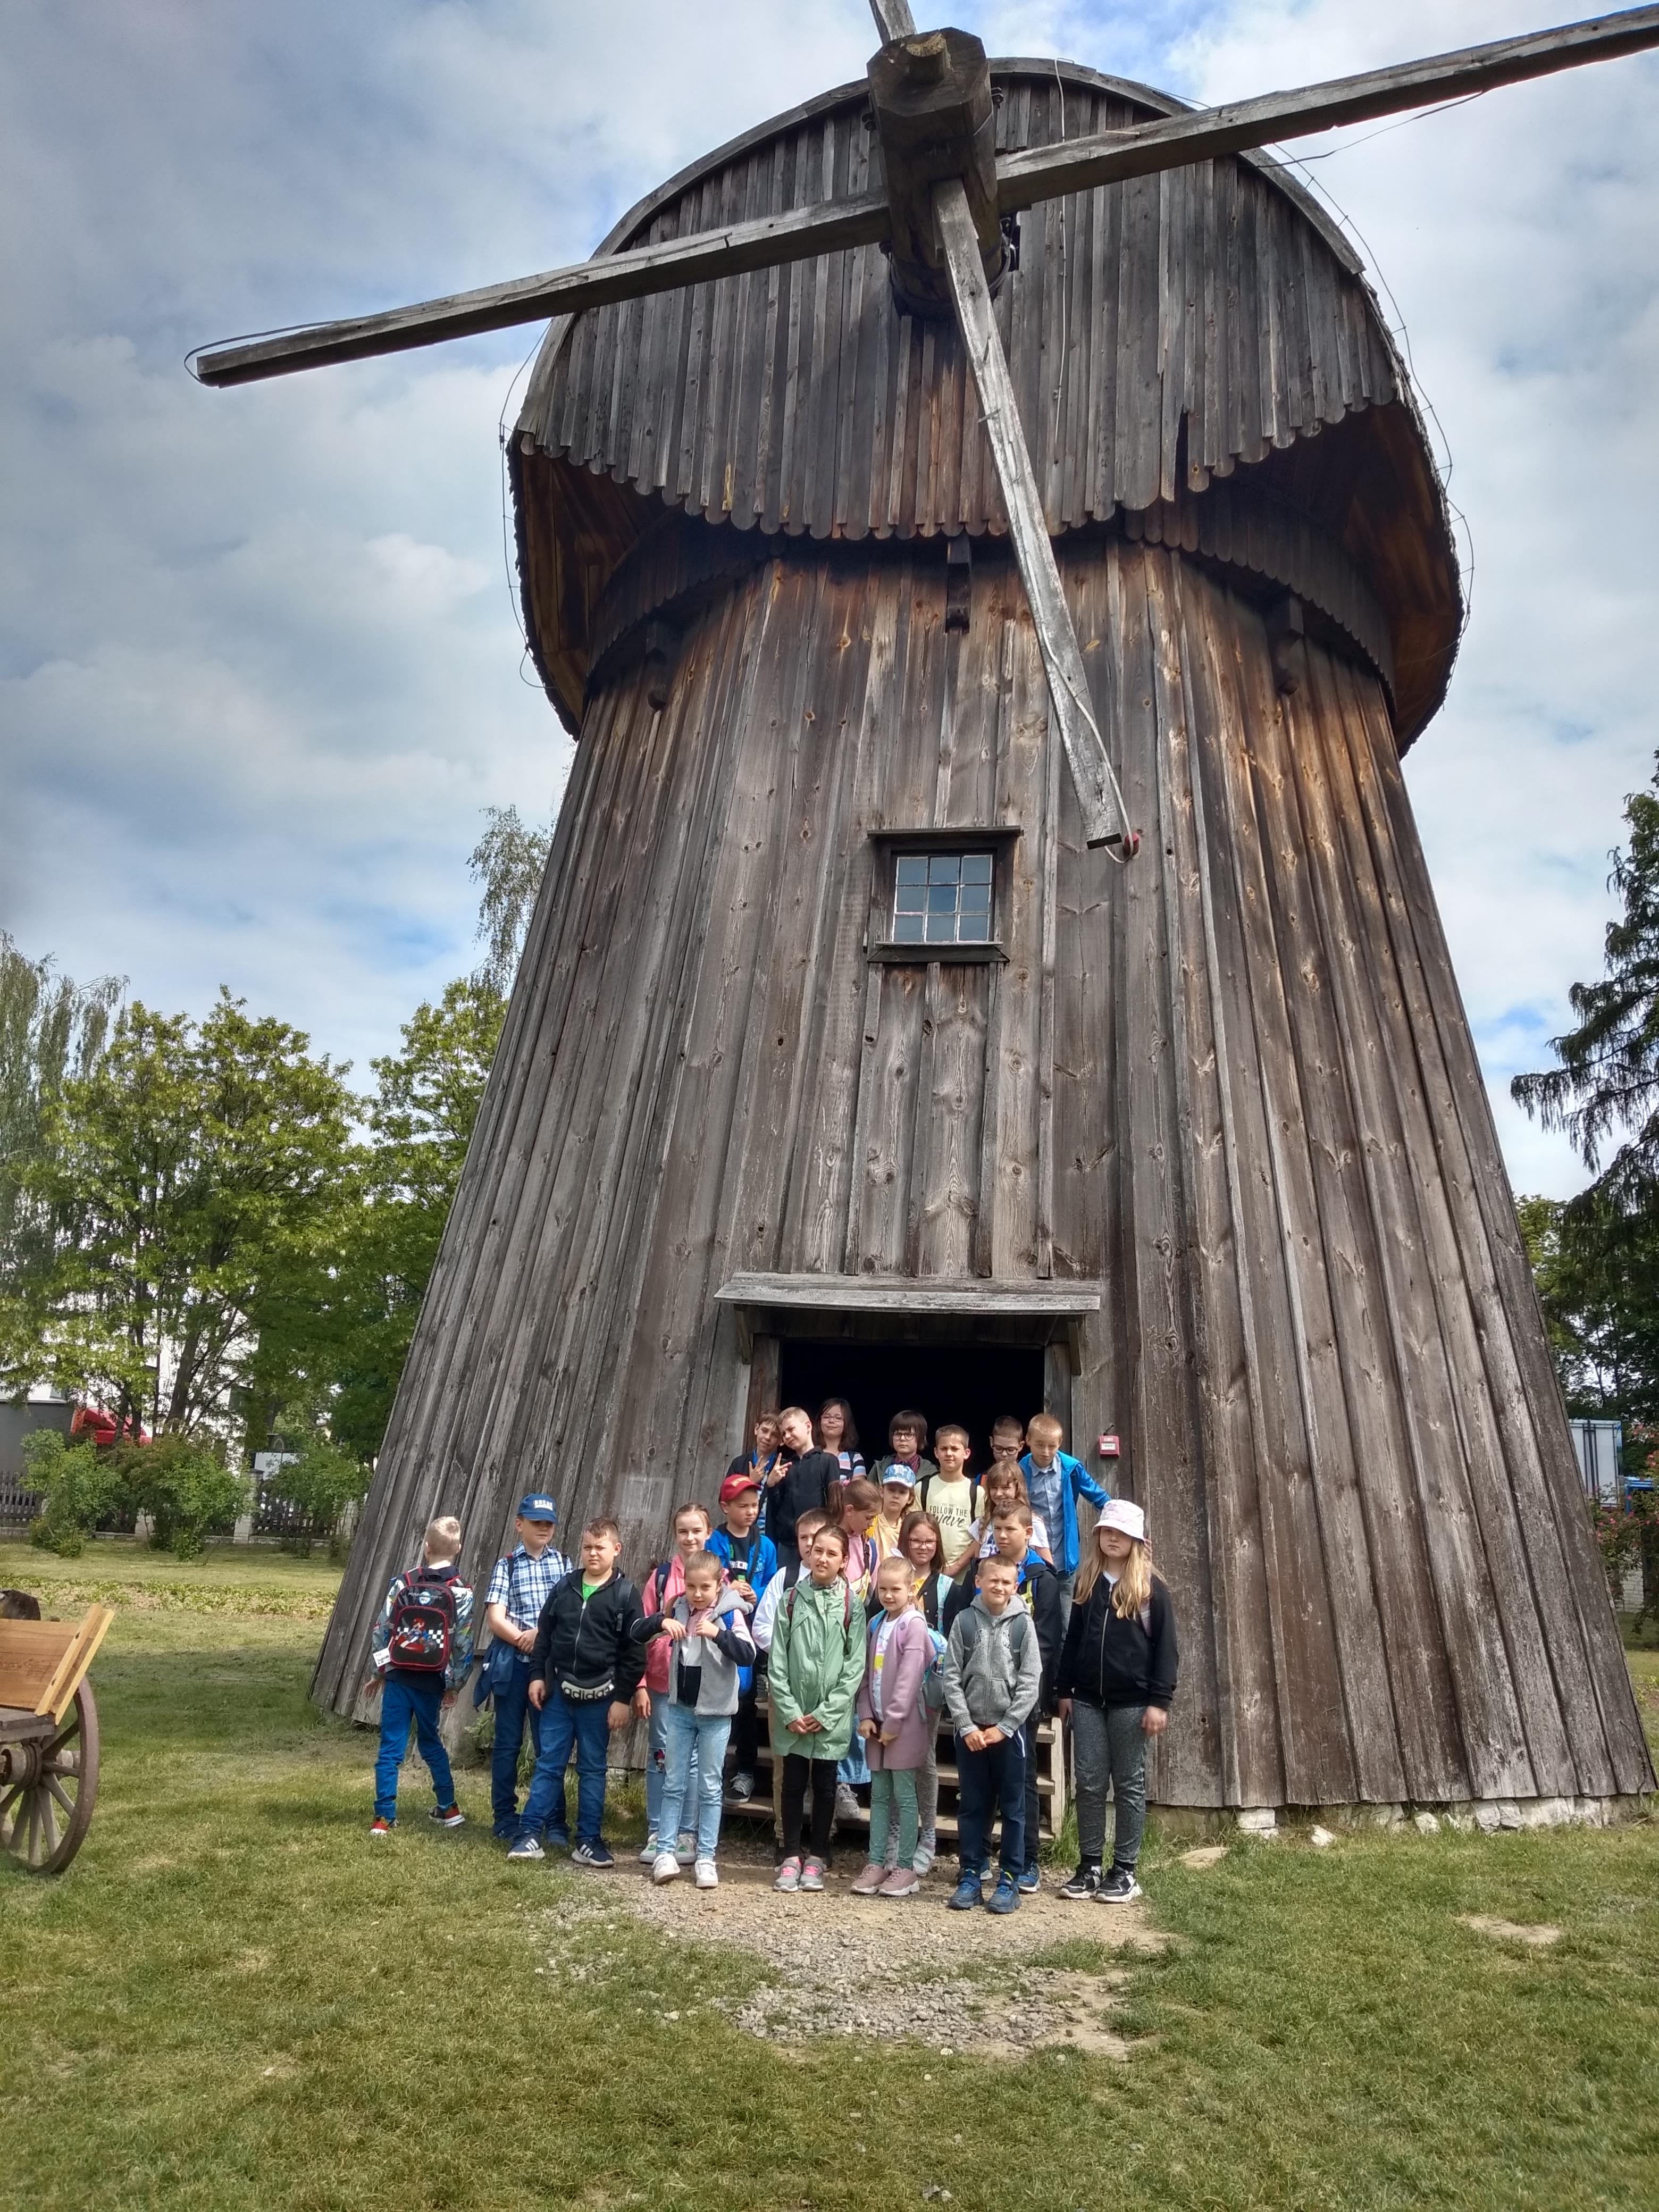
x: 1045, y: 172
x: 824, y: 228
x: 893, y: 20
x: 1105, y: 822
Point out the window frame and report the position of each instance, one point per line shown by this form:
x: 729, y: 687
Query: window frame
x: 998, y: 840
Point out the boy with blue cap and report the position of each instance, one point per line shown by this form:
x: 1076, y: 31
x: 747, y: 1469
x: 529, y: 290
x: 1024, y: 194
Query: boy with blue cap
x: 518, y: 1589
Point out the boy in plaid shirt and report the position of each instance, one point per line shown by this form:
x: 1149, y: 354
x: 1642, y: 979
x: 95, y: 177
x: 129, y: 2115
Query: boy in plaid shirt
x: 518, y: 1589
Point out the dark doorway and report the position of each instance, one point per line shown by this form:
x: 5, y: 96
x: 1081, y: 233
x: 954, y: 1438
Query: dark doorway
x: 971, y: 1384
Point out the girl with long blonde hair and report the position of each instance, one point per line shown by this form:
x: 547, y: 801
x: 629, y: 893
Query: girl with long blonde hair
x: 1116, y: 1683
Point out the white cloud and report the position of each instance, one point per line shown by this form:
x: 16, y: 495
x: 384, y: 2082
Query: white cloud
x: 259, y: 666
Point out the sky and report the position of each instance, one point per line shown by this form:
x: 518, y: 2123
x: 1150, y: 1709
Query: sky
x: 260, y: 664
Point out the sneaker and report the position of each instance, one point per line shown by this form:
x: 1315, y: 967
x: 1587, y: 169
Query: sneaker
x: 1030, y: 1881
x: 1005, y: 1898
x: 966, y: 1894
x: 648, y: 1852
x: 596, y: 1854
x: 665, y: 1867
x: 904, y: 1881
x: 707, y: 1874
x: 788, y: 1875
x: 1085, y: 1882
x: 867, y: 1883
x: 742, y: 1786
x: 848, y: 1811
x: 526, y: 1848
x: 926, y: 1856
x: 1120, y: 1887
x: 379, y: 1828
x: 811, y: 1875
x: 686, y: 1850
x: 448, y: 1816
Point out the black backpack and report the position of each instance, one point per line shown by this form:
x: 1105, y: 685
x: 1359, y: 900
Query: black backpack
x: 423, y: 1622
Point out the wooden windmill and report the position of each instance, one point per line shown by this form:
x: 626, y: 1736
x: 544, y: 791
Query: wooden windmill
x: 850, y: 1028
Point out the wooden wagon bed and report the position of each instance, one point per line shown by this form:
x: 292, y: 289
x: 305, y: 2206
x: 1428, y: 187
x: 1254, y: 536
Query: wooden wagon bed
x: 48, y: 1735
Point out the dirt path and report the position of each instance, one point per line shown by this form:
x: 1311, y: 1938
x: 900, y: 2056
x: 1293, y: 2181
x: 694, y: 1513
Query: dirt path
x: 865, y: 1966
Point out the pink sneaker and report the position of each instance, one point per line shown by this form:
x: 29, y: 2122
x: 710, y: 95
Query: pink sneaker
x: 904, y: 1881
x: 788, y: 1876
x: 811, y: 1875
x: 870, y: 1882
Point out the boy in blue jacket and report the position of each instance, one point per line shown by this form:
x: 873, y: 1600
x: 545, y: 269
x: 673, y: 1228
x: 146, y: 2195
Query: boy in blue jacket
x: 751, y: 1561
x: 1054, y: 1482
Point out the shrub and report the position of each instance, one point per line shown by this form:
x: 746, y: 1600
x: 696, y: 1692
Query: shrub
x: 322, y: 1482
x: 79, y: 1484
x: 186, y: 1489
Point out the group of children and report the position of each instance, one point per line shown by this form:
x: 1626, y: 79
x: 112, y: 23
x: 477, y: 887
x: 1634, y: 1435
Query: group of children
x: 858, y: 1610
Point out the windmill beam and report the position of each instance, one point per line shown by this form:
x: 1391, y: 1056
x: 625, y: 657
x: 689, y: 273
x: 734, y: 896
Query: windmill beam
x: 825, y: 228
x: 1043, y: 172
x: 1062, y: 657
x: 893, y: 20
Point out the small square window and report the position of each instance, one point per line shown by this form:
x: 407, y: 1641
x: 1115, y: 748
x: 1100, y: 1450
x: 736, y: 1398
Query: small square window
x: 943, y: 898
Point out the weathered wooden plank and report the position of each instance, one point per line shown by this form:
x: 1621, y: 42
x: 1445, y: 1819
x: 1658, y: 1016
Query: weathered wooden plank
x: 1205, y: 133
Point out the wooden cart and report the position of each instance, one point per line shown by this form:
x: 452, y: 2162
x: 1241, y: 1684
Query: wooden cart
x: 48, y: 1731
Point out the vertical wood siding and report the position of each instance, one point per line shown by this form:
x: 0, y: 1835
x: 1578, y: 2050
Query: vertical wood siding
x: 1232, y: 1084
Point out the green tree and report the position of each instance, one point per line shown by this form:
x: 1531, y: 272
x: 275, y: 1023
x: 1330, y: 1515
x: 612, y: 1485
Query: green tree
x: 1596, y: 1257
x: 201, y: 1170
x: 509, y: 862
x: 420, y: 1118
x: 51, y: 1030
x: 1606, y: 1083
x: 1597, y: 1271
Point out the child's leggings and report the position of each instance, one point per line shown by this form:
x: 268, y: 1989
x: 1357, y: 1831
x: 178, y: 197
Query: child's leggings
x: 796, y: 1770
x: 891, y: 1787
x: 927, y: 1809
x: 1109, y: 1746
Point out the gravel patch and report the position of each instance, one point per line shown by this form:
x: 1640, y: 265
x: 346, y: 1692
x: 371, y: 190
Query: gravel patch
x: 874, y: 1968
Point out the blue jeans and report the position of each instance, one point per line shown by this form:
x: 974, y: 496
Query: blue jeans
x: 855, y: 1767
x: 656, y: 1771
x: 986, y: 1779
x: 406, y: 1697
x: 697, y: 1757
x: 513, y: 1707
x: 581, y: 1723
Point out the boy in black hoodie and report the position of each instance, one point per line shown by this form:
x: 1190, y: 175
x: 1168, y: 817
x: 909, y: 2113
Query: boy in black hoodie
x: 1040, y: 1592
x: 800, y: 1479
x: 585, y: 1669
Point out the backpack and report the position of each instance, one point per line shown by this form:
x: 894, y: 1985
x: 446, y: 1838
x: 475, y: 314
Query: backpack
x: 932, y: 1678
x: 423, y: 1622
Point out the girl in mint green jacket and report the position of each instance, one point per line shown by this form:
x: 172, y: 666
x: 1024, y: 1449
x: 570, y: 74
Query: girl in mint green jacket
x: 812, y: 1677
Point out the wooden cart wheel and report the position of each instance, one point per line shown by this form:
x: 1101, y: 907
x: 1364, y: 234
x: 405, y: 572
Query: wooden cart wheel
x: 43, y: 1821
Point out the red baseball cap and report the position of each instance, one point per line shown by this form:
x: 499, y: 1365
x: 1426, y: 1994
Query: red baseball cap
x: 735, y: 1485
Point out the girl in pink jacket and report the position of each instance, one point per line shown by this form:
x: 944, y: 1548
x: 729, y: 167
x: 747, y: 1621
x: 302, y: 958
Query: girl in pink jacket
x: 894, y: 1723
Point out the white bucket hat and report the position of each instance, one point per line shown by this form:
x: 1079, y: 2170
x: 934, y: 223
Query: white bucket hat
x: 1120, y: 1513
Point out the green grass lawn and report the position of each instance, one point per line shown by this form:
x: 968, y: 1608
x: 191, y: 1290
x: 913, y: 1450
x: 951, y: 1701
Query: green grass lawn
x: 234, y: 1999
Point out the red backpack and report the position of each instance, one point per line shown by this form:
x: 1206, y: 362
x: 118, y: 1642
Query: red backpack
x: 423, y: 1622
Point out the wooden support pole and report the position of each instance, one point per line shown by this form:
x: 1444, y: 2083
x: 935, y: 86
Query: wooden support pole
x: 824, y: 228
x: 1041, y: 172
x: 893, y: 20
x: 1104, y: 821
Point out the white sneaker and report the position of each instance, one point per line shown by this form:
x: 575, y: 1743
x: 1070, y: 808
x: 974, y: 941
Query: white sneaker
x: 923, y: 1860
x: 848, y: 1808
x: 648, y: 1852
x: 708, y: 1874
x: 686, y: 1850
x: 665, y: 1867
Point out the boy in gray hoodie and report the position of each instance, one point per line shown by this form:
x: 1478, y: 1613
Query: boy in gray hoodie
x: 993, y: 1679
x: 708, y: 1631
